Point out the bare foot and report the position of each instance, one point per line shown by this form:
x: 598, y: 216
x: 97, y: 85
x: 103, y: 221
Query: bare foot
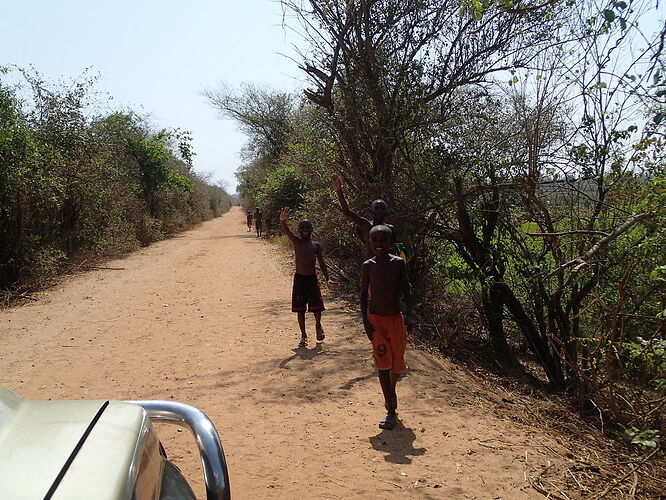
x: 303, y: 342
x: 320, y: 333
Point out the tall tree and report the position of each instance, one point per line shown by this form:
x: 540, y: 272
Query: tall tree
x: 389, y: 73
x: 266, y: 118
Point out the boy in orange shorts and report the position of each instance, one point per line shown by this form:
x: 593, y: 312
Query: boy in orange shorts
x: 385, y: 276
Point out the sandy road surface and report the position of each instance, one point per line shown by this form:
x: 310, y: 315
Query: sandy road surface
x: 204, y: 319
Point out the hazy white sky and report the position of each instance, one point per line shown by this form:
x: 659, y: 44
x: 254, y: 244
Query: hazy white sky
x: 156, y: 56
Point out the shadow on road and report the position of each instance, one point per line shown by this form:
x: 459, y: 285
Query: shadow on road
x: 398, y: 444
x: 307, y: 375
x: 351, y: 383
x: 302, y: 352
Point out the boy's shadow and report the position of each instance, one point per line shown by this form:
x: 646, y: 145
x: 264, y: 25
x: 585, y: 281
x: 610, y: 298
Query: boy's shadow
x: 302, y: 352
x: 398, y: 444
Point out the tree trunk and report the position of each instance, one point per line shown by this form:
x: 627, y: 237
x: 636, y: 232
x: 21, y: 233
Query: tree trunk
x: 537, y: 343
x: 493, y: 306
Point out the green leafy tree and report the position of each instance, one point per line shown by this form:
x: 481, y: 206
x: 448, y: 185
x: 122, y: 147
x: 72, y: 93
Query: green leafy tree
x: 76, y: 184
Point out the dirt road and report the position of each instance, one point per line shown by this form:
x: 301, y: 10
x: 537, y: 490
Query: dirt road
x: 204, y: 318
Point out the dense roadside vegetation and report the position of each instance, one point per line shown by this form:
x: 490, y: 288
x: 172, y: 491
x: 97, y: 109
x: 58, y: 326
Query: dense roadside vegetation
x: 78, y: 184
x: 520, y: 148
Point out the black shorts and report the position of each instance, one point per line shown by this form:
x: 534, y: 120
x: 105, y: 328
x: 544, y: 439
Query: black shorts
x: 258, y: 224
x: 306, y: 293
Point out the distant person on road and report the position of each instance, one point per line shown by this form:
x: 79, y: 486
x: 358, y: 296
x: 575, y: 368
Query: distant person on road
x: 378, y: 211
x: 248, y: 217
x: 258, y: 223
x: 383, y: 281
x: 306, y: 292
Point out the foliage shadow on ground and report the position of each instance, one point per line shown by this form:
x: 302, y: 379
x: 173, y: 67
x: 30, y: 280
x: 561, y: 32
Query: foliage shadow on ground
x: 217, y: 237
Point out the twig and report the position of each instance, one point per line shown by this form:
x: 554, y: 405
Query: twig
x: 615, y: 483
x: 601, y: 417
x: 338, y: 483
x: 565, y: 496
x: 661, y: 403
x: 566, y: 233
x: 541, y: 489
x: 90, y: 268
x: 482, y: 443
x: 583, y: 259
x: 392, y: 483
x: 582, y: 488
x: 491, y: 447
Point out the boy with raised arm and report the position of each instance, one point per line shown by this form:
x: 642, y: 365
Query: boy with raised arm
x: 306, y: 292
x: 378, y: 210
x: 385, y: 277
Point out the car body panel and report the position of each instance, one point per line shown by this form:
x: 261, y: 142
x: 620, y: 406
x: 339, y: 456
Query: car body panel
x: 38, y: 437
x: 107, y: 463
x: 101, y: 449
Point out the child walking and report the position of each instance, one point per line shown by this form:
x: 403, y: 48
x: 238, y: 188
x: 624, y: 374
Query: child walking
x: 377, y: 208
x: 305, y: 293
x: 383, y: 281
x: 248, y: 220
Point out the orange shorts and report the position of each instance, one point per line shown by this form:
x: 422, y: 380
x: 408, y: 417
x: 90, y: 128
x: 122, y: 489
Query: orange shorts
x: 389, y: 342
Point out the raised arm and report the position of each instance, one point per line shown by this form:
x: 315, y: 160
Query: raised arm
x: 284, y: 217
x: 337, y: 187
x: 322, y: 264
x: 365, y: 281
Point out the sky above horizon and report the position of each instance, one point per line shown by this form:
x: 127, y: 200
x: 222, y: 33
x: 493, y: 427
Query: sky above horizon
x: 155, y: 57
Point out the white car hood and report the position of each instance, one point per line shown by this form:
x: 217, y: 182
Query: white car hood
x: 76, y: 449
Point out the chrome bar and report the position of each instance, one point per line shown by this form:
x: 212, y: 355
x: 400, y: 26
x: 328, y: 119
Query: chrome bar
x: 208, y: 441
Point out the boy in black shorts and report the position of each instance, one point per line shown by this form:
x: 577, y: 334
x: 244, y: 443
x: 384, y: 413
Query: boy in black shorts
x: 306, y: 292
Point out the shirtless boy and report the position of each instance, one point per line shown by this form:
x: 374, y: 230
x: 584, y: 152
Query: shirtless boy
x: 378, y: 210
x: 248, y: 218
x: 386, y: 277
x: 306, y: 290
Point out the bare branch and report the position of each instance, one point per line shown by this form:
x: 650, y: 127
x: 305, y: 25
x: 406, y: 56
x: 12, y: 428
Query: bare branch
x: 567, y: 233
x: 582, y: 261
